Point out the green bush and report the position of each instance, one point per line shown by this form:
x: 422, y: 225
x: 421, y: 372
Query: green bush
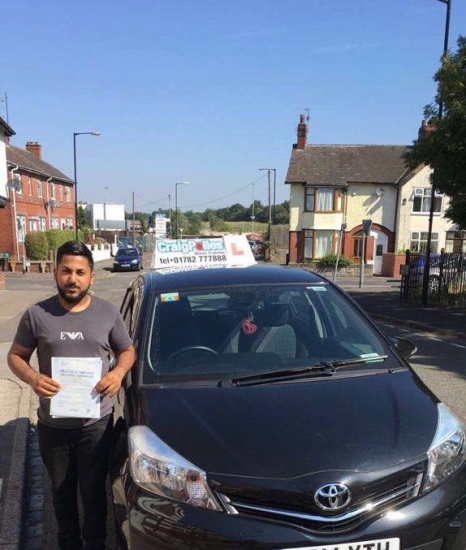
x: 36, y: 244
x: 56, y: 237
x: 331, y: 259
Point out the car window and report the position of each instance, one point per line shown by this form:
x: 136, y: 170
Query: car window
x: 240, y: 330
x: 126, y: 252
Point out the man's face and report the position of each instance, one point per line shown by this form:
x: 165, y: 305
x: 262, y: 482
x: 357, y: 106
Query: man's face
x: 74, y: 277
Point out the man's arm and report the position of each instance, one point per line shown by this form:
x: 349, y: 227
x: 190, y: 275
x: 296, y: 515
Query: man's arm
x: 18, y: 361
x: 111, y: 382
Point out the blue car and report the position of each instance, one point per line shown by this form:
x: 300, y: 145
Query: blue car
x: 127, y: 258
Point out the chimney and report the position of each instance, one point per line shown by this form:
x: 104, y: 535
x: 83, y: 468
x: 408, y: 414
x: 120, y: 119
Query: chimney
x: 34, y: 148
x: 302, y: 132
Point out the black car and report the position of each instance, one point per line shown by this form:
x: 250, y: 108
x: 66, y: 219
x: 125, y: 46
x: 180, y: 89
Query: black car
x: 267, y: 411
x: 127, y: 258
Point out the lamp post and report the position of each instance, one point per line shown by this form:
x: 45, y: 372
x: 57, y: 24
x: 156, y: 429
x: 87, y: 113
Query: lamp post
x: 425, y: 281
x: 94, y: 133
x: 176, y: 204
x: 269, y: 170
x: 170, y: 234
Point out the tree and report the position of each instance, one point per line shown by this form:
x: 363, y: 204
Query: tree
x: 194, y: 223
x: 282, y: 213
x: 82, y: 218
x: 442, y: 143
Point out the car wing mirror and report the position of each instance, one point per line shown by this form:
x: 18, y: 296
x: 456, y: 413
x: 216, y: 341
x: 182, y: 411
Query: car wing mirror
x: 404, y: 346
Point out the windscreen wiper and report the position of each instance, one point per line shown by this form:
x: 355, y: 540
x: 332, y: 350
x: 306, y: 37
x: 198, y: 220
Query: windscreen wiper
x: 321, y: 369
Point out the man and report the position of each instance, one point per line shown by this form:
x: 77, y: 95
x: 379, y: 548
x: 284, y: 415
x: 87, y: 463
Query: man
x: 74, y: 325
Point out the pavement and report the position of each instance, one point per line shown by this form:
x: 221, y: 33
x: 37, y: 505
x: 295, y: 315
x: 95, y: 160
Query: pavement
x: 379, y: 296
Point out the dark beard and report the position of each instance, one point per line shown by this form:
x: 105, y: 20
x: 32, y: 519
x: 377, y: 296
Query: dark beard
x: 73, y: 299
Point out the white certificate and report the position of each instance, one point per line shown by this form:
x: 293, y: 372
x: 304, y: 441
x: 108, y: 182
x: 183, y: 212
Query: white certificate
x: 77, y: 377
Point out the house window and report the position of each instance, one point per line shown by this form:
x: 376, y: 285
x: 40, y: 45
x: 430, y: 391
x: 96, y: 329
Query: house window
x: 19, y: 182
x: 20, y: 228
x: 67, y: 194
x: 318, y: 243
x: 69, y: 223
x: 52, y: 188
x: 323, y: 199
x: 455, y: 242
x: 43, y: 224
x: 39, y: 189
x: 418, y: 242
x: 30, y: 186
x: 55, y: 223
x: 33, y: 224
x: 421, y: 200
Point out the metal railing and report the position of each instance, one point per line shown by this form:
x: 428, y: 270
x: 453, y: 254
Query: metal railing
x: 446, y: 279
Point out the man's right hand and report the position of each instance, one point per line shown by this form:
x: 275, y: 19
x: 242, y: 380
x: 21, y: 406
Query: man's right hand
x: 44, y: 386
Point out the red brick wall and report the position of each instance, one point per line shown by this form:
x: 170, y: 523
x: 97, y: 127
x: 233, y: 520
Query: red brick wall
x: 293, y: 246
x: 6, y: 229
x: 29, y: 204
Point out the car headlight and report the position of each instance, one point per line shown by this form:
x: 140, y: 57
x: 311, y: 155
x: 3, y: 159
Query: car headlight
x: 447, y: 451
x: 158, y: 469
x: 134, y: 261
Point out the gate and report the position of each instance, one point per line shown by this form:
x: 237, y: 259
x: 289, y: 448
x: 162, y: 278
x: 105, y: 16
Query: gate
x: 446, y: 279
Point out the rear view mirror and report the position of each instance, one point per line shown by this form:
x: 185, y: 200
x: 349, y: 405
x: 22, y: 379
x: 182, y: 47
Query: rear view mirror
x: 404, y: 346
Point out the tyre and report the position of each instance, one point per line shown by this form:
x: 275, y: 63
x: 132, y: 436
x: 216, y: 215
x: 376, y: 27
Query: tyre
x: 434, y: 283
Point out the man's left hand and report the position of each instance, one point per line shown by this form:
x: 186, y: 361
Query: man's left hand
x: 109, y: 384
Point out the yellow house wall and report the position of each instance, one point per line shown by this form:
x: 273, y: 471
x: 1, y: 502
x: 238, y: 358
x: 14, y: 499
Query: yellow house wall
x: 364, y: 203
x: 414, y: 221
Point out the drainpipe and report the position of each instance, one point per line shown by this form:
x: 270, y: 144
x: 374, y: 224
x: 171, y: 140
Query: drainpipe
x: 15, y: 223
x: 48, y: 201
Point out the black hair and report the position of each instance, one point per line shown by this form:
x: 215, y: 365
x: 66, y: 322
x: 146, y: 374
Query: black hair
x: 75, y: 248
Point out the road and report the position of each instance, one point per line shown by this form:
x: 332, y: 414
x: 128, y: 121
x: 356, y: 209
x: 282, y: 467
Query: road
x: 439, y: 362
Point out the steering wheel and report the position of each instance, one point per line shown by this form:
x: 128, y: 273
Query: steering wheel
x: 187, y: 349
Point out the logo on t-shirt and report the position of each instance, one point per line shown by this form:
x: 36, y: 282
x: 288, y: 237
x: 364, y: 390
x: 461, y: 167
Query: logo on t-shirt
x: 71, y: 336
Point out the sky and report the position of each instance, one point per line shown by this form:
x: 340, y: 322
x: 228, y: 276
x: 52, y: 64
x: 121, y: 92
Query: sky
x: 210, y: 91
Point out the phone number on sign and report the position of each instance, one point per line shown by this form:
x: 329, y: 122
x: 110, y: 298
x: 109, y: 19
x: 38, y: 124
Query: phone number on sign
x: 194, y: 259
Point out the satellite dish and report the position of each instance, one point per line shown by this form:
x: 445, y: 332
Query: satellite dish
x: 14, y: 184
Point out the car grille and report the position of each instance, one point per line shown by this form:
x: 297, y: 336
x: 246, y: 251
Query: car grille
x: 371, y: 503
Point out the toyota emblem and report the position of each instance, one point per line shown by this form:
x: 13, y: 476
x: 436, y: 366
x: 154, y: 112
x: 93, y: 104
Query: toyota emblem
x: 332, y: 496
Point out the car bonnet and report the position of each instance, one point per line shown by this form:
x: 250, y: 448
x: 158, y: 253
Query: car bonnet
x: 288, y: 430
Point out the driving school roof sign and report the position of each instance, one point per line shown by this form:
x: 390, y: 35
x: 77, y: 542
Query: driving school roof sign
x: 202, y: 253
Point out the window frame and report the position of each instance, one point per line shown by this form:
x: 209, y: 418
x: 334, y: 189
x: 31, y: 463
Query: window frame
x: 313, y: 191
x: 424, y: 201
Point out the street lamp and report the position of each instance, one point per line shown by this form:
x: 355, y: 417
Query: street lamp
x: 425, y: 282
x: 176, y: 204
x: 94, y: 133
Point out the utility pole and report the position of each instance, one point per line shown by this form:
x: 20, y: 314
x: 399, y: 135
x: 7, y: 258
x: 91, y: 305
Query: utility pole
x: 269, y: 170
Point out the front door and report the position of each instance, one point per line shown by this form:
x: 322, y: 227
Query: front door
x: 381, y: 243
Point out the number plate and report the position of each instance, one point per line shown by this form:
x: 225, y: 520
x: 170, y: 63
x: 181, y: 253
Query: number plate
x: 380, y: 544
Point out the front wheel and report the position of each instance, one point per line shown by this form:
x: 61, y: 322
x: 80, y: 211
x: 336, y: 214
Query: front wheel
x: 434, y: 283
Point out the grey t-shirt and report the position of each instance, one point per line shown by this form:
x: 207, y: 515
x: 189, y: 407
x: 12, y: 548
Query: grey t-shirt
x: 56, y: 332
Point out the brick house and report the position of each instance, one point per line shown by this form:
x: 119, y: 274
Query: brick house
x: 38, y: 197
x: 338, y: 186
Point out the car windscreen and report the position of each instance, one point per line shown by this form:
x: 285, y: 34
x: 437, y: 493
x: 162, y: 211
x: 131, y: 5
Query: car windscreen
x: 214, y: 333
x: 123, y: 252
